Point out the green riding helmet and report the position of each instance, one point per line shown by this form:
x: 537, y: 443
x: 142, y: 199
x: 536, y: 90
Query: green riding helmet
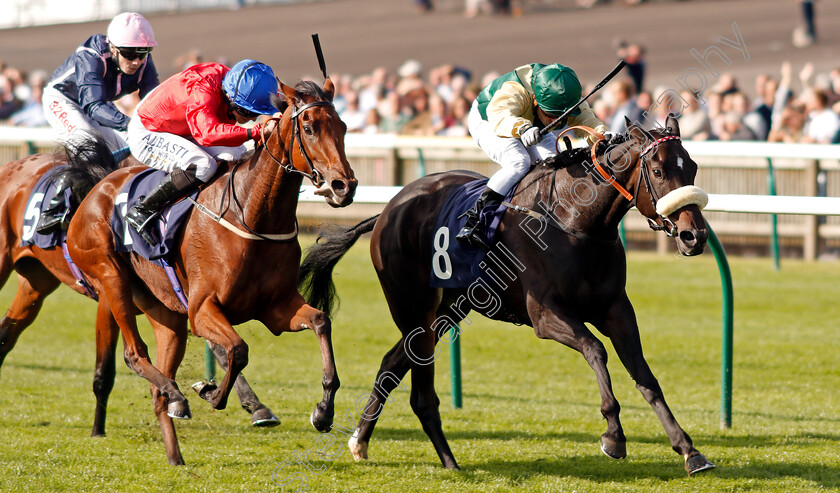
x: 556, y: 88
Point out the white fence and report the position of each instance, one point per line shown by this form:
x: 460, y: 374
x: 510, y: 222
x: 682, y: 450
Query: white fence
x: 738, y: 174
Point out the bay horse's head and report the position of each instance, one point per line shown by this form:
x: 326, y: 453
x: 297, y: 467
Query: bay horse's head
x: 665, y: 191
x: 312, y: 138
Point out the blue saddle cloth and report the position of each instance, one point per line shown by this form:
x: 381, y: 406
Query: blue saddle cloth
x: 165, y: 225
x: 38, y: 200
x: 455, y: 265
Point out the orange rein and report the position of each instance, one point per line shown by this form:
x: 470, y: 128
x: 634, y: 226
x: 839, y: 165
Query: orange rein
x: 598, y: 138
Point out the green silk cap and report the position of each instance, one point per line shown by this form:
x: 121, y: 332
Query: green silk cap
x: 556, y: 88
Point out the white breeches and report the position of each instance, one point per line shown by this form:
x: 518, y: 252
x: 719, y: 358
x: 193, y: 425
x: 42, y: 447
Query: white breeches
x: 167, y: 151
x: 508, y: 152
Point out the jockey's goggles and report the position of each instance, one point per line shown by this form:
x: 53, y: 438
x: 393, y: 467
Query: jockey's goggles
x: 246, y: 113
x: 132, y: 54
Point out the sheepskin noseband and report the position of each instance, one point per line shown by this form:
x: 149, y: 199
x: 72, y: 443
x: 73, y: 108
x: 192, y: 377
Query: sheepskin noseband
x: 681, y: 197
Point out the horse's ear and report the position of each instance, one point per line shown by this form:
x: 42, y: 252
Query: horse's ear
x: 627, y: 122
x: 329, y: 88
x: 288, y: 91
x: 672, y: 123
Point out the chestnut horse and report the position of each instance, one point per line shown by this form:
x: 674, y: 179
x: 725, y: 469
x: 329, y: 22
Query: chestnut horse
x: 557, y: 265
x: 41, y: 270
x: 238, y: 265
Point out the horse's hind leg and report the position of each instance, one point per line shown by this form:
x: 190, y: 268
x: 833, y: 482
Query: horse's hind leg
x: 171, y: 336
x: 551, y: 323
x: 32, y: 289
x: 261, y: 415
x: 210, y: 323
x: 424, y: 399
x: 621, y: 327
x: 107, y: 336
x: 395, y: 365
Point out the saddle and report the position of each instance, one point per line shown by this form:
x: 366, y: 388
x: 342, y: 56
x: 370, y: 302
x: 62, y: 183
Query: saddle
x: 455, y: 265
x: 170, y: 220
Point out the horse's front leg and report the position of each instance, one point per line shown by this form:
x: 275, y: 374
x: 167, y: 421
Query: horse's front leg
x: 551, y: 323
x: 209, y: 322
x: 621, y: 327
x: 297, y: 316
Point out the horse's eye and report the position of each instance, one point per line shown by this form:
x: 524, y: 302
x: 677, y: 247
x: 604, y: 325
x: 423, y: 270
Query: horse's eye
x: 307, y: 129
x: 657, y: 172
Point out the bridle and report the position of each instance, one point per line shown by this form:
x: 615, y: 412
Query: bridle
x: 608, y: 175
x: 314, y: 176
x: 667, y: 225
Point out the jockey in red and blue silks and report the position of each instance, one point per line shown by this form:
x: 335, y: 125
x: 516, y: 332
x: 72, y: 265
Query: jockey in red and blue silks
x: 78, y: 100
x: 189, y: 122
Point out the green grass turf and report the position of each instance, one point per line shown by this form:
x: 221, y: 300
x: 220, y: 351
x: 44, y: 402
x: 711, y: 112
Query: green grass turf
x: 530, y: 421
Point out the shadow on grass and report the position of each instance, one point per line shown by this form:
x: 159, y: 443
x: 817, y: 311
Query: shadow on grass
x: 58, y: 369
x: 600, y: 469
x: 595, y: 468
x: 742, y: 441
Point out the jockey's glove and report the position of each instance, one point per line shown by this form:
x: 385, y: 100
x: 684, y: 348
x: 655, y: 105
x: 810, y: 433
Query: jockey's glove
x: 530, y: 137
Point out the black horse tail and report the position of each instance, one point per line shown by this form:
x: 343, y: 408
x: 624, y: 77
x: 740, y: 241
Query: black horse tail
x: 315, y: 281
x: 88, y: 162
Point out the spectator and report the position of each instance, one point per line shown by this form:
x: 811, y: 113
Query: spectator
x: 393, y: 112
x: 457, y: 120
x: 694, y: 122
x: 32, y: 112
x: 806, y: 35
x: 372, y: 122
x: 352, y: 115
x: 424, y: 6
x: 791, y: 126
x: 766, y: 88
x: 726, y: 84
x: 823, y: 123
x: 9, y: 104
x: 734, y: 128
x: 634, y: 56
x: 623, y: 94
x: 410, y: 80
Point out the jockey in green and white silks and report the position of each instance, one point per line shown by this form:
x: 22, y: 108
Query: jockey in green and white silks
x: 505, y: 121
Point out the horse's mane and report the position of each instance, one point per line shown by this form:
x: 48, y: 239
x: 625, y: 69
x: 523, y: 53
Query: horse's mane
x: 88, y: 162
x: 304, y: 87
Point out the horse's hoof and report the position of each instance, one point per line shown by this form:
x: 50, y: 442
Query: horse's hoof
x: 357, y: 447
x: 179, y: 410
x: 322, y: 421
x: 264, y: 418
x: 697, y: 463
x: 204, y: 389
x: 613, y: 449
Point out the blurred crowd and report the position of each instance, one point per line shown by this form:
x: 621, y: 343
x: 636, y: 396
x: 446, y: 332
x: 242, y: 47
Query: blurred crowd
x: 793, y: 105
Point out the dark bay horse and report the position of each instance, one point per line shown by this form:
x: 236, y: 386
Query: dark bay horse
x: 238, y: 268
x: 558, y: 264
x: 41, y: 270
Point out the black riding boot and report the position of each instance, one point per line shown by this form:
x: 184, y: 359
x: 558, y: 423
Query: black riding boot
x: 56, y: 214
x: 470, y: 233
x: 174, y: 186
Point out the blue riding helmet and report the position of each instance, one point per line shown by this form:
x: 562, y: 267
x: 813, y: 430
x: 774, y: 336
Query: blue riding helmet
x: 249, y: 85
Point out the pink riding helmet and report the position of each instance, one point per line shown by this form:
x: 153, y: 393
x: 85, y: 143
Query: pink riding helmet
x: 131, y: 30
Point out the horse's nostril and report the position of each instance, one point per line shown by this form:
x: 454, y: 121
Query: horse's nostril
x: 687, y: 237
x: 338, y: 185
